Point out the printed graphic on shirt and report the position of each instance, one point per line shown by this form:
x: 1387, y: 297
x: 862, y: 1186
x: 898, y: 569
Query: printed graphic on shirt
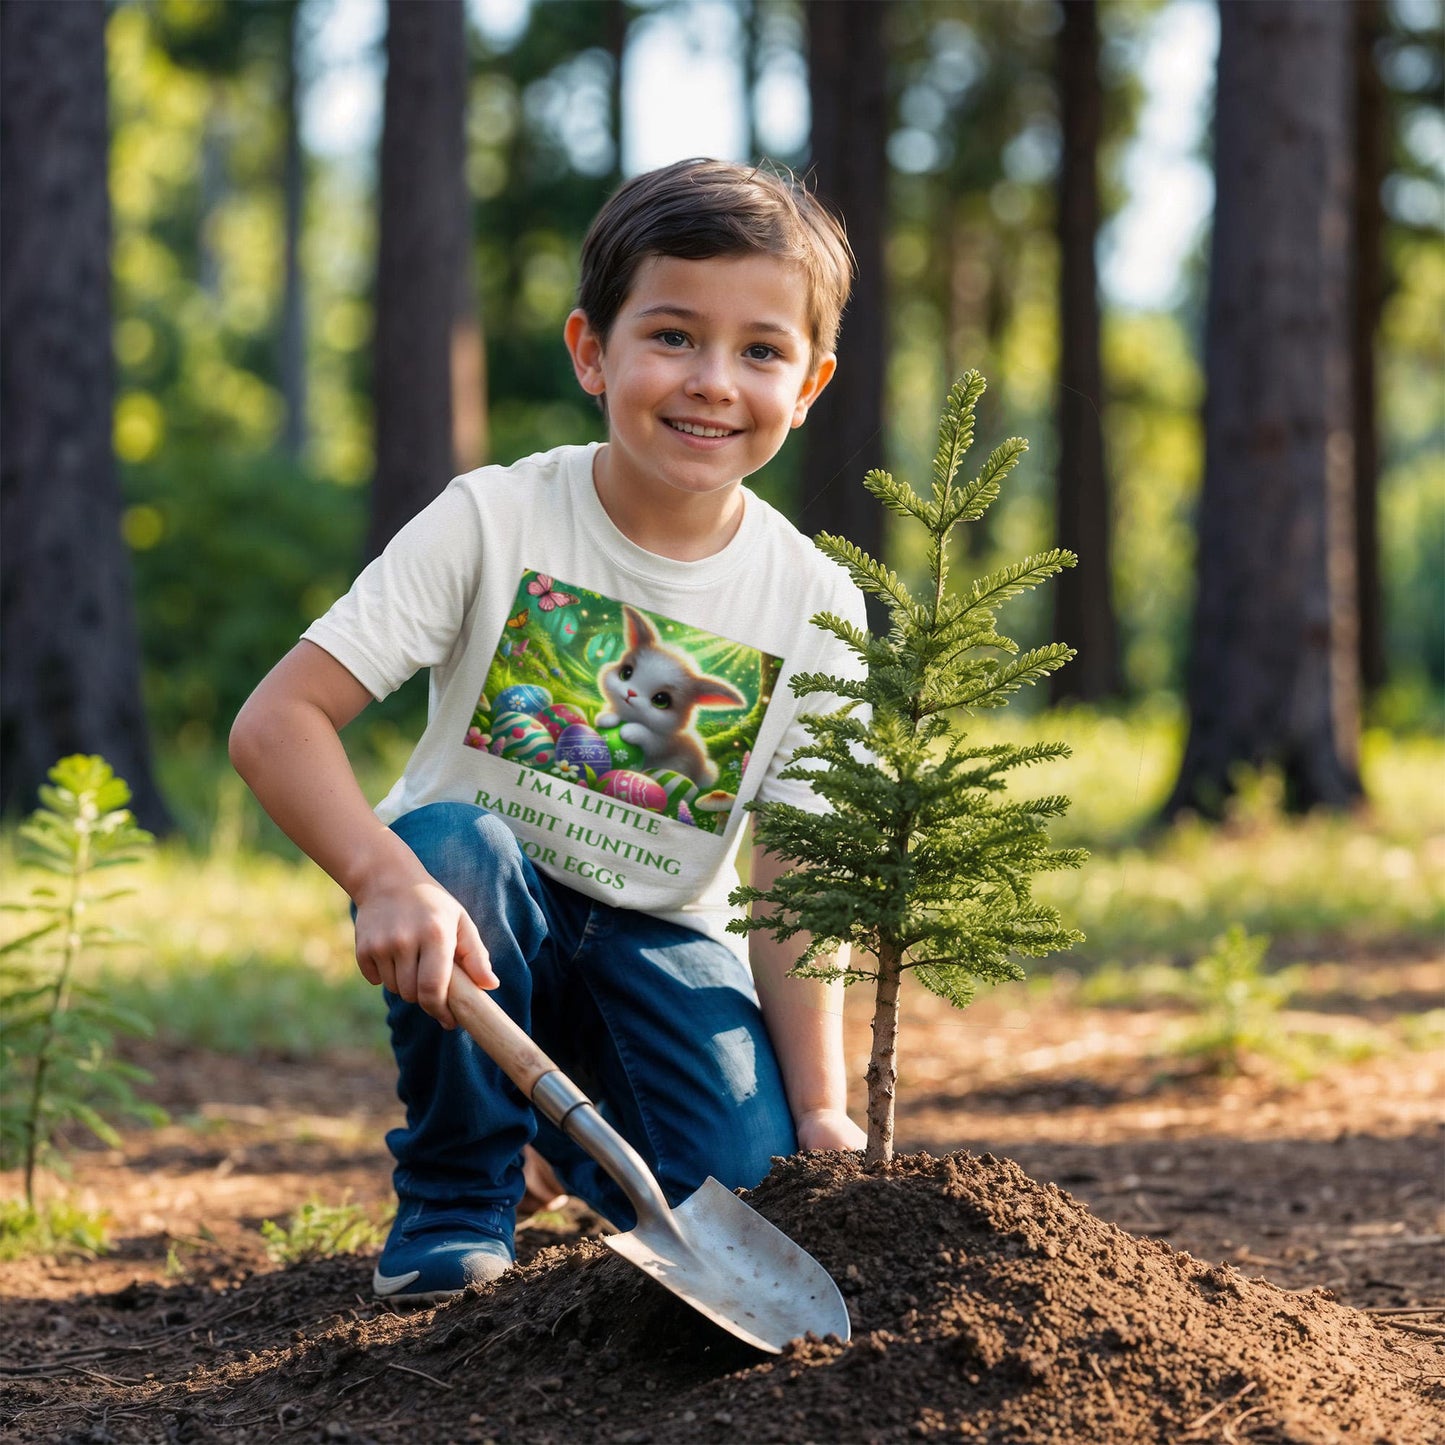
x: 615, y: 700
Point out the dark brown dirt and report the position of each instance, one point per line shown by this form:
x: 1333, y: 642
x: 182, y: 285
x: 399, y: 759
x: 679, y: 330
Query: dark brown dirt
x: 987, y: 1305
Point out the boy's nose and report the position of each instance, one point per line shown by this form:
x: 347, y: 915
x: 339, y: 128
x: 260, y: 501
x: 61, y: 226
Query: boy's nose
x: 712, y: 378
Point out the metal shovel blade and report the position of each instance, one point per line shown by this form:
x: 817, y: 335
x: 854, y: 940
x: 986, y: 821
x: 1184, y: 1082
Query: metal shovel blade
x: 713, y: 1251
x: 731, y: 1265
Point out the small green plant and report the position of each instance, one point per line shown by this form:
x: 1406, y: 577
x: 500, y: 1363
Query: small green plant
x: 922, y: 864
x: 56, y: 1227
x: 1238, y: 1002
x: 321, y: 1231
x: 57, y: 1067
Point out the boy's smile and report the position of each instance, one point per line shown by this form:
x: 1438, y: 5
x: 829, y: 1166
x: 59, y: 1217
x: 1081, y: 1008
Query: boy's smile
x: 708, y: 366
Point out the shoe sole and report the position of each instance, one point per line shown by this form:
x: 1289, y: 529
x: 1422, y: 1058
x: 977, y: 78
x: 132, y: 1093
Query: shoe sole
x: 402, y: 1296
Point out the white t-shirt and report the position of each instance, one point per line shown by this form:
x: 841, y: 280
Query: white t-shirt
x: 618, y: 709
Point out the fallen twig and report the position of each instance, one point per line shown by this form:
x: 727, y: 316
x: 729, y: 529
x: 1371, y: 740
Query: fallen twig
x: 421, y: 1374
x: 486, y: 1344
x: 1208, y: 1415
x: 1103, y: 1380
x: 1227, y: 1431
x: 1388, y: 1241
x: 1433, y: 1331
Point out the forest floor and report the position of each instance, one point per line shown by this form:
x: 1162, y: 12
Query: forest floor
x: 1109, y: 1244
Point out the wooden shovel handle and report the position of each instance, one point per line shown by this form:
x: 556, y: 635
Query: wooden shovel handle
x: 505, y: 1043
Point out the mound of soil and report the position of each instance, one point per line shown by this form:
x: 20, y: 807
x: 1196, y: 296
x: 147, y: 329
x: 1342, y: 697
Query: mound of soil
x: 985, y: 1307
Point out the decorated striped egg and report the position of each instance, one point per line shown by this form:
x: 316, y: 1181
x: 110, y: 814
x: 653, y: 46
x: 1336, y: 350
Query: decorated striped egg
x: 582, y: 748
x: 523, y: 697
x: 677, y: 788
x: 635, y: 788
x: 521, y: 739
x: 560, y: 716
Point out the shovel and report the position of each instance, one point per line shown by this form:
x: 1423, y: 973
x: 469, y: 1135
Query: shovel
x: 713, y: 1251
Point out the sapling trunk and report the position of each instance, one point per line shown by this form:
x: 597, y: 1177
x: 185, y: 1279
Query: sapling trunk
x: 882, y: 1073
x: 35, y: 1139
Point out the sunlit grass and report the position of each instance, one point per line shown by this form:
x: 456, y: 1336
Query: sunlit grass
x: 1310, y: 882
x: 247, y: 949
x: 56, y: 1227
x: 235, y: 950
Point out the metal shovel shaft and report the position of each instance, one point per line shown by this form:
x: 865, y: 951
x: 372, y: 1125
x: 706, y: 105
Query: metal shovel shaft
x: 714, y: 1251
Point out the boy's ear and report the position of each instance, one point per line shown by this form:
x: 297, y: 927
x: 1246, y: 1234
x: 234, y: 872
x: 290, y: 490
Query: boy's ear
x: 813, y: 387
x: 585, y: 348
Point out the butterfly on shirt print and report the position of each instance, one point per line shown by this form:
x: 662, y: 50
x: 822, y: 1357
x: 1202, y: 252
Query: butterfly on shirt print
x: 548, y: 597
x: 552, y: 603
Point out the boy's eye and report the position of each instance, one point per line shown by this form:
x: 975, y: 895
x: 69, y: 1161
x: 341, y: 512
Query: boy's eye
x: 672, y: 338
x: 760, y: 351
x: 661, y: 700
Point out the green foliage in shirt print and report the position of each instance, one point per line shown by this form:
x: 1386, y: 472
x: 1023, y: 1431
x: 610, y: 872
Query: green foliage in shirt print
x: 623, y: 701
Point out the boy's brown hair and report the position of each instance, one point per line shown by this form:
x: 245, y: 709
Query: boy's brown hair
x: 698, y: 209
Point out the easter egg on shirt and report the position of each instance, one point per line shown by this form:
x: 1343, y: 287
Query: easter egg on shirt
x: 521, y: 739
x: 582, y: 747
x: 635, y: 788
x: 624, y: 753
x: 522, y: 697
x: 560, y: 716
x: 678, y: 789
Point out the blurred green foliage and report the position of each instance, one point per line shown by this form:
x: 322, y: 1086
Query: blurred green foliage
x: 233, y: 560
x: 237, y: 546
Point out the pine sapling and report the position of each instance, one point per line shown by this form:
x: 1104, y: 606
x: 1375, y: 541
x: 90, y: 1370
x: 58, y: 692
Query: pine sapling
x: 56, y: 1064
x: 924, y: 862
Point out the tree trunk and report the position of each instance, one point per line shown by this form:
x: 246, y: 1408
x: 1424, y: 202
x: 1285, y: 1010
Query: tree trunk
x: 619, y: 20
x: 1273, y: 671
x: 1083, y: 595
x: 882, y: 1073
x: 843, y: 438
x: 1372, y: 160
x: 71, y: 676
x: 423, y: 209
x: 292, y: 341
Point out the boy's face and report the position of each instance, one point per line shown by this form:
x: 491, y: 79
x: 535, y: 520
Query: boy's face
x: 708, y: 366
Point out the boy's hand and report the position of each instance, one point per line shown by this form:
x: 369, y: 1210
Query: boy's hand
x: 410, y: 935
x: 829, y: 1129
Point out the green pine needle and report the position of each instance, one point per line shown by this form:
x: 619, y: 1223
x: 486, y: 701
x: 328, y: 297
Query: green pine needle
x: 57, y: 1062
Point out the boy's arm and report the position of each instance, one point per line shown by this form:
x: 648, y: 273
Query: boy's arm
x: 805, y: 1023
x: 285, y: 743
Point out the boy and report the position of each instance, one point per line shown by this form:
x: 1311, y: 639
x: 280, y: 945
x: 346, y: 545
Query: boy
x: 611, y: 631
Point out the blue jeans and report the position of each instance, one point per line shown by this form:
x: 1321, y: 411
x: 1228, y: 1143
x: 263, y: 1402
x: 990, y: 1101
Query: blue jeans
x: 657, y: 1023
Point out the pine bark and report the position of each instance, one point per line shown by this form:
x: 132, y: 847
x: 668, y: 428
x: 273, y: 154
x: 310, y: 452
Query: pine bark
x: 882, y: 1075
x: 71, y: 676
x: 292, y: 340
x: 423, y: 209
x: 1372, y: 160
x: 1083, y: 595
x: 843, y: 438
x: 1273, y: 670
